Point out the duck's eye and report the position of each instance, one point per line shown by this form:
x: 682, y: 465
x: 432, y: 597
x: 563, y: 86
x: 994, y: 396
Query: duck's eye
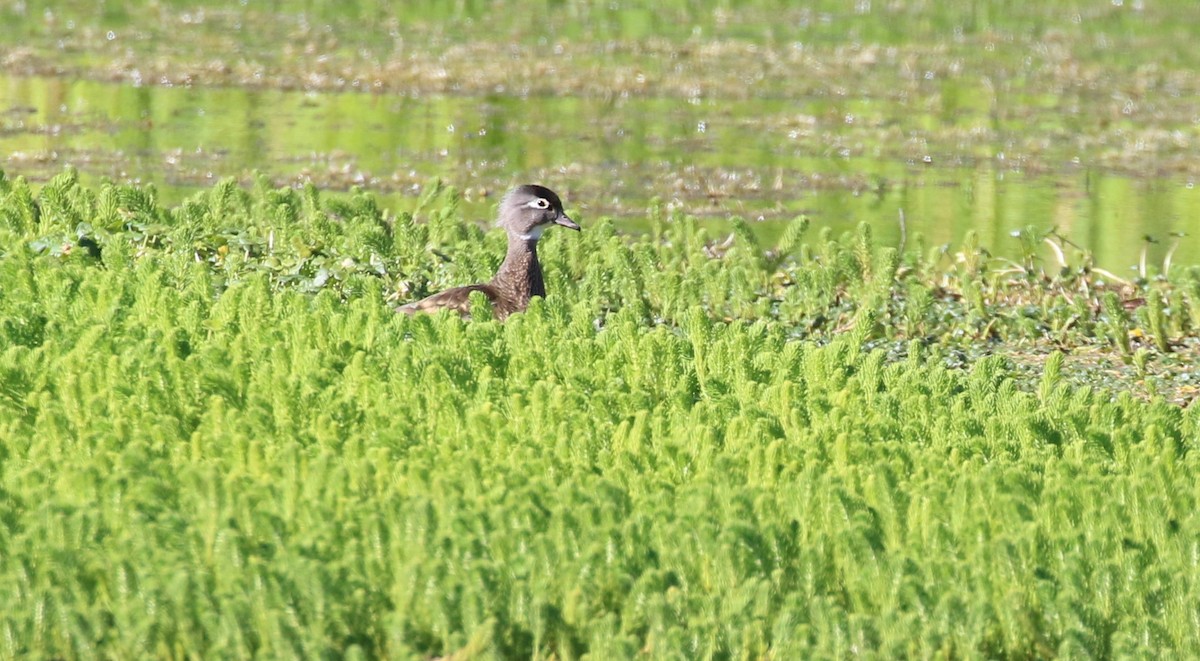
x: 539, y: 203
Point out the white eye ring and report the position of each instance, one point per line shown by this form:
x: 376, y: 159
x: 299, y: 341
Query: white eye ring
x: 539, y: 203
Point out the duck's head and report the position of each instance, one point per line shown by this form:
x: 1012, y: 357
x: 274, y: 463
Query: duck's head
x: 526, y: 212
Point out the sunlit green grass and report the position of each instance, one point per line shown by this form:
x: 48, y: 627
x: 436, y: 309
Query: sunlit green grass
x: 218, y: 441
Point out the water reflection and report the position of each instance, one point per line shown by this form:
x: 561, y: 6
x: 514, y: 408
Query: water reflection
x: 758, y: 159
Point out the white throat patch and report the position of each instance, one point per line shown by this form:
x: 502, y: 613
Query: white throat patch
x: 533, y: 234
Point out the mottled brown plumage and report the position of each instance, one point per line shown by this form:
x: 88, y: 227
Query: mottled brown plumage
x: 524, y: 213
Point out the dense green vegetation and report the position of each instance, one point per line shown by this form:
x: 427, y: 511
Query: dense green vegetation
x: 714, y: 439
x: 218, y: 441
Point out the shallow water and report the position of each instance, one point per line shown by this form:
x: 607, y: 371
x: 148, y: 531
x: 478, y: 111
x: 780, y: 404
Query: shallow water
x: 1011, y: 122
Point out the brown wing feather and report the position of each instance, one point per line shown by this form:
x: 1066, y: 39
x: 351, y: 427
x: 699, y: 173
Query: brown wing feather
x: 458, y: 299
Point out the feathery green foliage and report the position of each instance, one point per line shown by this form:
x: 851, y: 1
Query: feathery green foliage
x: 218, y: 441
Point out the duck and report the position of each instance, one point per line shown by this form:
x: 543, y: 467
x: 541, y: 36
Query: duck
x: 525, y: 213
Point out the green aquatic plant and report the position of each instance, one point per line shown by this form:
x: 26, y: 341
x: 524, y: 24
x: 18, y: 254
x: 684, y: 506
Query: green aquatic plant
x: 1156, y: 322
x: 1116, y: 322
x: 217, y: 440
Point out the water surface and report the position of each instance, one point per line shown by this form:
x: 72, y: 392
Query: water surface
x: 1070, y: 116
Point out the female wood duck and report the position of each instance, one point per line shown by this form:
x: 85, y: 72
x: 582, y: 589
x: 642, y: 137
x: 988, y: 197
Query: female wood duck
x: 525, y: 213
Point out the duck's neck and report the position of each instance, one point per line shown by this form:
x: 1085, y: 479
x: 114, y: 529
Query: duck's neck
x: 520, y: 276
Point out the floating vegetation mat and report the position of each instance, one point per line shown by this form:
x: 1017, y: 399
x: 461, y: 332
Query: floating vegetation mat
x: 218, y: 441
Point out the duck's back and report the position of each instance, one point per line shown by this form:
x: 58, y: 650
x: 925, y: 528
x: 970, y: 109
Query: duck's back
x: 459, y: 300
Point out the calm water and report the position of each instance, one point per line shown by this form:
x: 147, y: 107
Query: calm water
x: 957, y: 147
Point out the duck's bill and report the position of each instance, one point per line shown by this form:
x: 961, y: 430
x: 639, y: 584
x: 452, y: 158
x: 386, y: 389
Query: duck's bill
x: 567, y: 222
